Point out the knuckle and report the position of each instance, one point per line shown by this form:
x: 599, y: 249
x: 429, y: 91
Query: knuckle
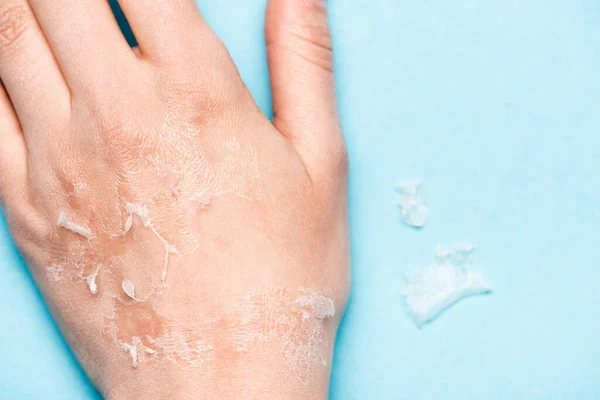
x: 112, y: 122
x: 338, y: 157
x: 115, y: 127
x: 204, y: 78
x: 15, y: 21
x: 211, y: 95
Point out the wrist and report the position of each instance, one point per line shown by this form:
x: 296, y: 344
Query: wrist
x: 261, y: 373
x: 271, y: 345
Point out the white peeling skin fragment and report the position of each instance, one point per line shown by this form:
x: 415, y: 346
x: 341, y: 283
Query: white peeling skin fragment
x: 91, y: 279
x: 431, y: 290
x: 169, y: 249
x: 176, y: 346
x: 138, y: 210
x: 321, y: 307
x: 132, y: 349
x: 129, y: 289
x: 63, y: 222
x: 413, y: 206
x: 294, y: 321
x: 144, y: 214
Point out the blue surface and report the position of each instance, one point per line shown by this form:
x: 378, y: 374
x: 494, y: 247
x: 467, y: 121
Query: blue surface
x: 497, y: 105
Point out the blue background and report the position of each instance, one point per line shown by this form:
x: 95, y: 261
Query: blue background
x: 494, y: 103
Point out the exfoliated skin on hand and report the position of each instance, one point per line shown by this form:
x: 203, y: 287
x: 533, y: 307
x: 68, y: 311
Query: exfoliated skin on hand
x: 296, y: 325
x: 431, y: 290
x: 122, y: 252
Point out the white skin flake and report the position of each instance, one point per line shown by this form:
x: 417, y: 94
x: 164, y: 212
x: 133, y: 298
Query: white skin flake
x: 176, y: 346
x: 63, y: 222
x: 130, y: 348
x: 129, y: 288
x: 144, y: 215
x: 413, y: 206
x: 431, y: 290
x: 138, y: 210
x: 91, y: 279
x: 320, y: 307
x: 133, y: 348
x: 296, y: 324
x: 169, y: 249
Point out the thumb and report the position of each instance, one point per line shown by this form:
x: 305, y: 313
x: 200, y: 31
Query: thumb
x: 299, y: 51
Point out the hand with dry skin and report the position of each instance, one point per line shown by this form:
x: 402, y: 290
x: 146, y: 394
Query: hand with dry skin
x: 187, y: 246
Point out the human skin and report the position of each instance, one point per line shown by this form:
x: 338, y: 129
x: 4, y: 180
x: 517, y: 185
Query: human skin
x: 174, y: 185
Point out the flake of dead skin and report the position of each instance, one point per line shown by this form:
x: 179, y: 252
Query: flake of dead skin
x: 176, y: 345
x: 321, y: 307
x: 277, y: 314
x: 140, y: 331
x: 414, y: 209
x: 169, y: 249
x: 91, y: 279
x: 129, y: 288
x: 143, y: 213
x: 63, y: 222
x: 140, y: 211
x: 132, y: 349
x: 430, y: 291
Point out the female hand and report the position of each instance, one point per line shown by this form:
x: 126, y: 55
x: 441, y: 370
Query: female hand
x: 187, y: 246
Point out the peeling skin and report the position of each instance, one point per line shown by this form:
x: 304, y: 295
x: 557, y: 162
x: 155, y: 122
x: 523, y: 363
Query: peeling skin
x: 182, y: 346
x: 129, y: 288
x: 132, y: 349
x: 165, y: 179
x: 321, y: 307
x: 294, y: 323
x: 169, y: 249
x: 138, y: 210
x: 143, y: 213
x: 63, y: 222
x: 137, y: 326
x: 91, y: 279
x: 431, y: 290
x: 414, y: 210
